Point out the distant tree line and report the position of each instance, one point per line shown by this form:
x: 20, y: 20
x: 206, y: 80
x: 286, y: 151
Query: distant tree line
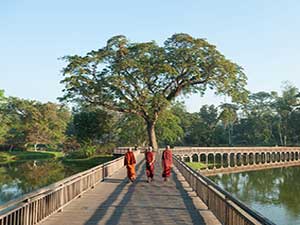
x: 267, y: 119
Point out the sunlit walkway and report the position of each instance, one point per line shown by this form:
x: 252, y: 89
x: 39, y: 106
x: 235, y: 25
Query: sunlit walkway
x: 115, y: 201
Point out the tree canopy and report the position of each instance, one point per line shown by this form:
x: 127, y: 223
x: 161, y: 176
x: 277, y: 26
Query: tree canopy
x: 144, y: 78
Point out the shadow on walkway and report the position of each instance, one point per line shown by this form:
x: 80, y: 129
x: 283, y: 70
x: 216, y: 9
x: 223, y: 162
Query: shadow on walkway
x: 155, y: 206
x: 148, y: 203
x: 115, y: 217
x: 99, y: 214
x: 188, y: 202
x: 112, y: 180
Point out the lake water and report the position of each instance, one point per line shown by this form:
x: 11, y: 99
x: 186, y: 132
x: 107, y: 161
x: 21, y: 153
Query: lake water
x: 275, y: 193
x: 17, y: 179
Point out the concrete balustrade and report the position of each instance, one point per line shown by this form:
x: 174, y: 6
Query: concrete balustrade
x: 220, y: 158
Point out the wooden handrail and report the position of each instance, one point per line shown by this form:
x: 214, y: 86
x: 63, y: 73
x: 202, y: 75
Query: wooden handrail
x: 25, y: 210
x: 56, y: 185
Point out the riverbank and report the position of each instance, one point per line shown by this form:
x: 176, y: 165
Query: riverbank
x: 13, y: 156
x: 23, y: 172
x: 196, y: 165
x: 88, y: 162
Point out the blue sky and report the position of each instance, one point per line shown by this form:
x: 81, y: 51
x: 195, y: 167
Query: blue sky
x: 260, y: 35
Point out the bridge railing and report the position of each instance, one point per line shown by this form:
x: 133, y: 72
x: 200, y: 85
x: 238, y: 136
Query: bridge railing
x: 178, y: 149
x: 123, y: 150
x: 228, y: 209
x: 37, y: 206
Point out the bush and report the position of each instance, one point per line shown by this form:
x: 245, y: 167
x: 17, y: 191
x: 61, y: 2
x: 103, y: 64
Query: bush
x: 107, y: 148
x: 70, y: 145
x: 84, y: 152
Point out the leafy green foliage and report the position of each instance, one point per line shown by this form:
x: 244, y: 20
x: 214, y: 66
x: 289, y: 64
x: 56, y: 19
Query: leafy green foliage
x: 4, y: 121
x: 93, y: 125
x: 131, y: 130
x: 31, y: 123
x: 168, y: 128
x: 85, y: 151
x: 144, y: 78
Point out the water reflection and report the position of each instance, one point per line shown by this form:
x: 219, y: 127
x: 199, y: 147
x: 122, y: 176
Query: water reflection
x: 17, y: 179
x: 273, y: 192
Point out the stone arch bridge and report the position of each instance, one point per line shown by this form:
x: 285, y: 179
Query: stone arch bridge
x: 232, y: 157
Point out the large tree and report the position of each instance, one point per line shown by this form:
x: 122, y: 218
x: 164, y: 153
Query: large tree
x: 33, y: 123
x: 228, y: 116
x: 285, y: 107
x: 93, y: 125
x: 144, y: 78
x: 4, y: 120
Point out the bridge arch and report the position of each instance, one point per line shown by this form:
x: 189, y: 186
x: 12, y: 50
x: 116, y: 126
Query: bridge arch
x: 203, y: 158
x: 251, y: 158
x: 195, y: 157
x: 211, y: 160
x: 278, y: 156
x: 186, y: 158
x: 225, y: 160
x: 245, y: 159
x: 218, y: 160
x: 232, y: 159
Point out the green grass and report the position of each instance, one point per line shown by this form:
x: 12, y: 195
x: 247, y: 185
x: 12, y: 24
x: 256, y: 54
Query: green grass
x: 7, y: 157
x: 196, y: 165
x: 88, y: 162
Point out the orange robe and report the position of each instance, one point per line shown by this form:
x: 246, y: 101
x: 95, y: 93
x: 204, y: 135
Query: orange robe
x: 129, y: 162
x: 167, y: 161
x: 149, y: 168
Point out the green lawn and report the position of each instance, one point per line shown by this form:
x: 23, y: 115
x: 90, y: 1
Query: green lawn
x: 88, y: 162
x: 196, y: 165
x: 7, y: 157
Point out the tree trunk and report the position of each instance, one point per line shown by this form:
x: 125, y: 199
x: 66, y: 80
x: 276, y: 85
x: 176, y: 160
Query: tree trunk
x: 151, y: 134
x: 285, y: 140
x: 35, y: 146
x: 280, y: 135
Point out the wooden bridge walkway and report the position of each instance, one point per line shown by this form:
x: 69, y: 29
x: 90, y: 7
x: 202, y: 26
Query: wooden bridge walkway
x: 116, y: 201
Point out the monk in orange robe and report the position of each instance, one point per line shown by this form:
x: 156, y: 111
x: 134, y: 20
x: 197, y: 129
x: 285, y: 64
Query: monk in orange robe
x: 129, y: 162
x: 167, y: 162
x: 150, y: 159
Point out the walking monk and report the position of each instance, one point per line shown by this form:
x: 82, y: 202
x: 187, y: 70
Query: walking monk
x: 129, y: 162
x: 167, y: 162
x: 150, y: 159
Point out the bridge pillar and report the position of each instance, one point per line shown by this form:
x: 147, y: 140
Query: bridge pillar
x: 247, y: 158
x: 259, y: 158
x: 283, y: 157
x: 235, y: 159
x: 214, y: 160
x: 206, y: 160
x: 222, y: 160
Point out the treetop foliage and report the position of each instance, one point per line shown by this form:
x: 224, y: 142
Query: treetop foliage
x: 143, y: 78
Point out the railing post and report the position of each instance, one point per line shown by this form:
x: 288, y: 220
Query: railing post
x: 27, y: 214
x: 226, y: 212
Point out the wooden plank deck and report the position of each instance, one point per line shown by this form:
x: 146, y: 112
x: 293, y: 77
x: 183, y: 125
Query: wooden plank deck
x: 116, y: 201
